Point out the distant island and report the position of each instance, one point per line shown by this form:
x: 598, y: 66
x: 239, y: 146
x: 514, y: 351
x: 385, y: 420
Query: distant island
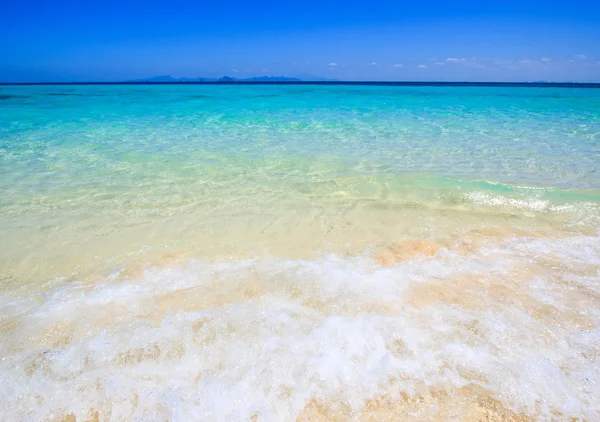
x: 171, y: 79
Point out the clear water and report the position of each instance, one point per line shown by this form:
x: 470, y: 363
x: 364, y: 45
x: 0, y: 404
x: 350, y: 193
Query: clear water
x: 299, y: 252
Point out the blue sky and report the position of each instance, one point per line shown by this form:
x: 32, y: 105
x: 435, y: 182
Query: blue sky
x: 370, y: 40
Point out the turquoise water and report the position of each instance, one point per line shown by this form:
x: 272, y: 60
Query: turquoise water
x: 540, y: 136
x: 311, y: 218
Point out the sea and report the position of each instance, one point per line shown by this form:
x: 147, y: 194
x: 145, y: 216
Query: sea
x: 299, y: 252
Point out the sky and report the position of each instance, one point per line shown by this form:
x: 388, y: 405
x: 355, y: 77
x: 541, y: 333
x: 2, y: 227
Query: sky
x: 378, y: 40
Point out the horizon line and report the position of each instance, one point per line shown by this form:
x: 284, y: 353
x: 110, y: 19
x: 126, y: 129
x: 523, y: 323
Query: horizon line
x: 300, y: 82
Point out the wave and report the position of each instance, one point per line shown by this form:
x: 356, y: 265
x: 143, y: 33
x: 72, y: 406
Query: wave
x: 506, y: 329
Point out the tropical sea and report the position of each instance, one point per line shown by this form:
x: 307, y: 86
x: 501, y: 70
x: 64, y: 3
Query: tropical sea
x: 299, y: 252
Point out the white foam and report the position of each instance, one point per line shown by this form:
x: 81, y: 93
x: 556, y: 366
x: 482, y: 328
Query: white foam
x: 483, y: 198
x: 583, y: 211
x: 333, y: 330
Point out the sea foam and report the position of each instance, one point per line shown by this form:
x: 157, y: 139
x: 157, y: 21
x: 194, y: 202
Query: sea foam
x: 455, y: 335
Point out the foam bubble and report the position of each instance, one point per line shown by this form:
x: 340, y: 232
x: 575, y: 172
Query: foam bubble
x: 484, y: 198
x: 448, y: 334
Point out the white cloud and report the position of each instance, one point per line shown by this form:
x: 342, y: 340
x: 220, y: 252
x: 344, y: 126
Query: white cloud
x: 455, y: 60
x: 332, y: 64
x: 422, y: 66
x: 234, y: 70
x: 398, y: 66
x: 580, y: 56
x: 266, y: 70
x: 248, y: 70
x: 503, y: 62
x: 373, y: 64
x: 550, y: 68
x: 439, y: 63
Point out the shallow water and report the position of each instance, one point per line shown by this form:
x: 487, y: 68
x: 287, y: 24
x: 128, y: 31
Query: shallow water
x: 299, y: 252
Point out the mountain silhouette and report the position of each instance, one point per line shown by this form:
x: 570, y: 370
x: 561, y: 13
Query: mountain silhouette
x: 171, y: 79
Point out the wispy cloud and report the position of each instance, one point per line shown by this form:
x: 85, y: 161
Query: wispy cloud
x: 422, y: 66
x: 373, y: 64
x: 439, y: 63
x: 265, y: 70
x: 234, y: 70
x: 546, y: 67
x: 398, y: 66
x: 463, y: 61
x: 332, y: 64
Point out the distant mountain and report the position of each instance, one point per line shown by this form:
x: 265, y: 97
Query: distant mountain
x: 171, y: 79
x: 271, y: 79
x: 307, y: 77
x: 195, y: 79
x: 164, y: 78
